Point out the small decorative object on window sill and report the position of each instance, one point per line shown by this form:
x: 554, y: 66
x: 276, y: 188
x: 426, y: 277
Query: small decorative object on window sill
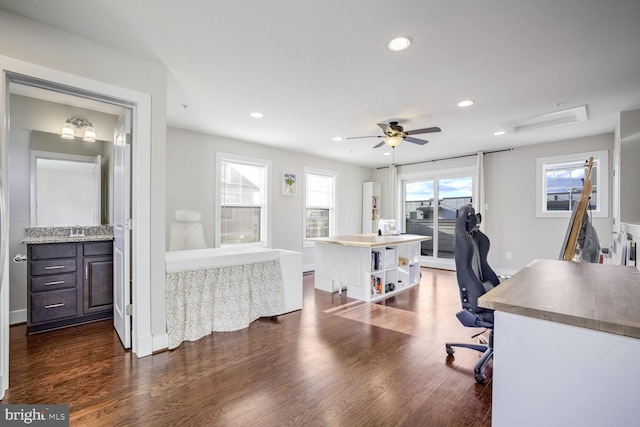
x: 288, y: 184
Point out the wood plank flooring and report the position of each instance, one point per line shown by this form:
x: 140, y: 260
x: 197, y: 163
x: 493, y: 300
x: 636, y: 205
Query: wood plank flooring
x: 338, y: 362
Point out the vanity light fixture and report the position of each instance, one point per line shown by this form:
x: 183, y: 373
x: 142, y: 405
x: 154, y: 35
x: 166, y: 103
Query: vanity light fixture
x: 68, y: 131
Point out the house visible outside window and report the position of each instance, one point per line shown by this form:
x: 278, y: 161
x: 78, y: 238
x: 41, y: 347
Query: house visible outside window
x: 560, y: 181
x: 243, y: 188
x: 320, y: 203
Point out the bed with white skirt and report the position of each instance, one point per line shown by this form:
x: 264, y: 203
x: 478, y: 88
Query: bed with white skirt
x: 225, y: 289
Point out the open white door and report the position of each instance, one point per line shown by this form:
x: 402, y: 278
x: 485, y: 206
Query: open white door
x: 122, y: 229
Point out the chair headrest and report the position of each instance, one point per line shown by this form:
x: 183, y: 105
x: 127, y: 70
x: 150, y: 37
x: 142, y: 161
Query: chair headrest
x: 467, y: 221
x: 186, y: 215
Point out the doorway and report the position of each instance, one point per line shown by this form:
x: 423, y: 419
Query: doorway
x: 430, y: 204
x: 140, y: 105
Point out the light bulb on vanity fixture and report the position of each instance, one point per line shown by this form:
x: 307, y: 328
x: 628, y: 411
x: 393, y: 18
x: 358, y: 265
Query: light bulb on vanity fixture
x: 68, y: 131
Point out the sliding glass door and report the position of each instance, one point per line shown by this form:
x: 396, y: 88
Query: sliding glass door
x: 430, y: 206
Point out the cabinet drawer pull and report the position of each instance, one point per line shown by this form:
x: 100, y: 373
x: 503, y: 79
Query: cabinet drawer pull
x: 54, y: 267
x: 57, y: 282
x: 54, y: 305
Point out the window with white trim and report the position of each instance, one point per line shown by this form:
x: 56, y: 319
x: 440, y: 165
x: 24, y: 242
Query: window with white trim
x: 243, y: 188
x: 320, y: 203
x: 560, y: 181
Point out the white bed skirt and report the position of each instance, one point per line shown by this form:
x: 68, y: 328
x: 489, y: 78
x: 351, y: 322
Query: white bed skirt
x: 222, y: 289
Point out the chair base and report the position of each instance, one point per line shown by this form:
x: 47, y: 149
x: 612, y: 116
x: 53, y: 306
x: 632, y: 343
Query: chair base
x: 487, y: 355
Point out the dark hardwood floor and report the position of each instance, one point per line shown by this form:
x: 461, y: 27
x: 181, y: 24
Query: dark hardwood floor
x: 338, y: 362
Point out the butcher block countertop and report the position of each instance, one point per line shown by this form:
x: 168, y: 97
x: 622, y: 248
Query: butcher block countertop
x: 370, y: 240
x: 601, y: 297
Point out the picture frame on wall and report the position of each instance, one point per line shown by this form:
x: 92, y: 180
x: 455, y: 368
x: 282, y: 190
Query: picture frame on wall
x: 289, y: 184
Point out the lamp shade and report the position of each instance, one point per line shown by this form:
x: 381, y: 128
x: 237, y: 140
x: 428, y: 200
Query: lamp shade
x: 67, y: 131
x: 89, y: 134
x: 393, y: 141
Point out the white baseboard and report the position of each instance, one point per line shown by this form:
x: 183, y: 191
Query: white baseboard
x: 160, y: 342
x: 17, y: 316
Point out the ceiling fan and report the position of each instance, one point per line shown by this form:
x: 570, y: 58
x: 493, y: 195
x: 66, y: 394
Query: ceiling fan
x: 394, y: 134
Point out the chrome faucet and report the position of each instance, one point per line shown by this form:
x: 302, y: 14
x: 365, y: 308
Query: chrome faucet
x: 76, y: 231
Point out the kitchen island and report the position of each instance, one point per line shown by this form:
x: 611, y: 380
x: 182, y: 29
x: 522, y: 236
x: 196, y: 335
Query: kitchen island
x: 371, y: 267
x: 567, y: 345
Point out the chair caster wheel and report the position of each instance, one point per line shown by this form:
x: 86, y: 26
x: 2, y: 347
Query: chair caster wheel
x: 481, y: 378
x: 450, y: 350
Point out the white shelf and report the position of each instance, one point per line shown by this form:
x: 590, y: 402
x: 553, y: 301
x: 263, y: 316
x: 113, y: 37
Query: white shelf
x: 370, y: 206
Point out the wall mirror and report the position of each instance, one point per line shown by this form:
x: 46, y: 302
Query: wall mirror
x: 67, y: 189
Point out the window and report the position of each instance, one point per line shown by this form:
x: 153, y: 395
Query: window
x: 320, y: 195
x: 560, y: 181
x: 243, y: 185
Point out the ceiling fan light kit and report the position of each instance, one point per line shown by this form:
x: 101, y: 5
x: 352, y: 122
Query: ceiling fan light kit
x: 394, y: 134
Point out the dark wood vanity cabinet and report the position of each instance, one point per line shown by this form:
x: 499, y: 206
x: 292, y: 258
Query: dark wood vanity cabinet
x: 68, y: 283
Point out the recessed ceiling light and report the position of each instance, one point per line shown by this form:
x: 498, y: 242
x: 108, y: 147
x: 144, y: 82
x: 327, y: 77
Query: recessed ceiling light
x: 466, y: 103
x: 399, y: 43
x: 337, y: 138
x: 387, y: 153
x: 257, y: 115
x: 499, y: 132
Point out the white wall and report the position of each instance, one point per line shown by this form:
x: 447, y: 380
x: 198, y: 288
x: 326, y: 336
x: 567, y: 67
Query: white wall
x: 510, y: 193
x: 191, y: 172
x: 41, y: 45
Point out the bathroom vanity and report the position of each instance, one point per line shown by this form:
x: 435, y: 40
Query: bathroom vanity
x: 69, y: 277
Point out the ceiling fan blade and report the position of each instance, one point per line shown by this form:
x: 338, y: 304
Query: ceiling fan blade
x: 416, y: 140
x: 380, y: 144
x: 358, y: 137
x: 385, y: 128
x: 425, y: 130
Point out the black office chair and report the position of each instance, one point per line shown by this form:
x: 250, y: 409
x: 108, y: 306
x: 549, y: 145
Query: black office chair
x: 475, y: 278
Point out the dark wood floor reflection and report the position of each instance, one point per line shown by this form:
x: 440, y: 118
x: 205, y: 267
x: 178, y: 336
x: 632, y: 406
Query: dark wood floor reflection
x: 338, y: 362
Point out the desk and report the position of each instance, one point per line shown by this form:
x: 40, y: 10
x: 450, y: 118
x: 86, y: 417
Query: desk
x: 567, y: 345
x: 372, y: 267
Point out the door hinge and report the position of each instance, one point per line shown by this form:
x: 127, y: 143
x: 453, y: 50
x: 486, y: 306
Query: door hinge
x: 128, y: 138
x: 128, y: 310
x: 128, y: 224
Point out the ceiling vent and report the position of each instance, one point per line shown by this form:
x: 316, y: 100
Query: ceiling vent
x: 563, y: 117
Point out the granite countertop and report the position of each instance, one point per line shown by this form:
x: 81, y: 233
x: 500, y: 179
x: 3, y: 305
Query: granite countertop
x: 602, y: 297
x: 35, y: 235
x: 371, y: 240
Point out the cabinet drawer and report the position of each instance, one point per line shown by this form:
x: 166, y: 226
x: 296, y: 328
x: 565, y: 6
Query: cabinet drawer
x: 53, y: 266
x: 53, y: 250
x: 49, y: 283
x: 98, y: 248
x: 47, y: 306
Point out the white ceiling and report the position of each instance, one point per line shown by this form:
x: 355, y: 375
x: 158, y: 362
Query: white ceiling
x: 319, y: 69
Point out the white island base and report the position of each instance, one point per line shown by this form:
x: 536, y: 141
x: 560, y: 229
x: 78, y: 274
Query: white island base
x: 369, y: 266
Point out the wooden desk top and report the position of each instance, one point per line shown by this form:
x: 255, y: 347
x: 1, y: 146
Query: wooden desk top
x: 370, y: 240
x: 595, y: 296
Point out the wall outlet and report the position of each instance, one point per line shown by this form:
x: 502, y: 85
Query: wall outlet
x: 507, y: 255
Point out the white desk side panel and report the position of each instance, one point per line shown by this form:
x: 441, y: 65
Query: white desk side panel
x: 550, y: 374
x: 291, y: 265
